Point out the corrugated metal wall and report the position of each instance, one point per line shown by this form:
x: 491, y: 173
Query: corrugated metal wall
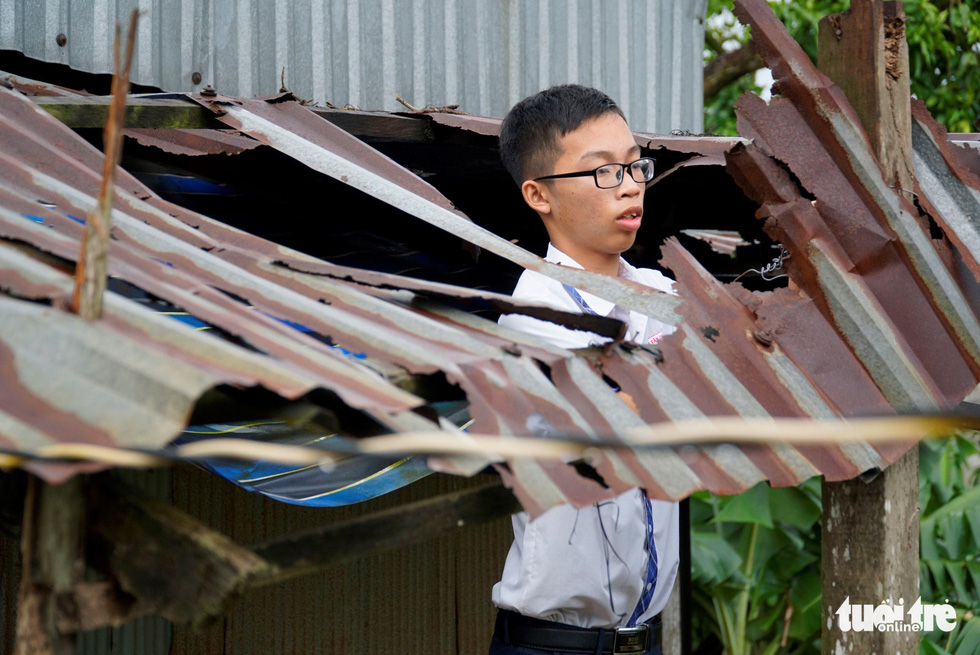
x: 433, y: 597
x: 481, y: 54
x: 430, y: 598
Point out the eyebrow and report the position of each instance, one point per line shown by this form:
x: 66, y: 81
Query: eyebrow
x: 607, y: 154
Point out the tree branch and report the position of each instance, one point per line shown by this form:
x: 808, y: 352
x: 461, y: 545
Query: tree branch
x: 728, y: 67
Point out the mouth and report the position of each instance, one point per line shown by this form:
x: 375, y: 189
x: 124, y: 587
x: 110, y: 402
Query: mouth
x: 631, y: 218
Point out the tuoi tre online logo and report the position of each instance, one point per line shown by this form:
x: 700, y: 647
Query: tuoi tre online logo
x: 888, y: 617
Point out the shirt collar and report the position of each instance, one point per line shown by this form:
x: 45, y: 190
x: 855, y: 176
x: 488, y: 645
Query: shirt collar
x: 599, y: 305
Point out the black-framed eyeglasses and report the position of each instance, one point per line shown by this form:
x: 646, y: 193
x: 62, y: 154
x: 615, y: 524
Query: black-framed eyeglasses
x: 610, y: 176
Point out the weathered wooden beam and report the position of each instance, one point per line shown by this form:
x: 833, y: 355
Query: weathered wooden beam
x: 870, y: 535
x: 378, y: 125
x: 170, y: 563
x: 93, y: 112
x: 346, y: 541
x: 91, y: 605
x: 179, y: 113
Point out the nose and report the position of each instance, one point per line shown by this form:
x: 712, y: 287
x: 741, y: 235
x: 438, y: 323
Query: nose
x: 629, y: 186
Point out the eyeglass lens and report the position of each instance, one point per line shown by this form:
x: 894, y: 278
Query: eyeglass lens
x: 607, y: 177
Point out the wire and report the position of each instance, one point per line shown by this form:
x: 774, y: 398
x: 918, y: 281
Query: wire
x: 736, y: 430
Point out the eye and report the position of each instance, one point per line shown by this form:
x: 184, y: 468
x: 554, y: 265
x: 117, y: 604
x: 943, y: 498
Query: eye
x: 642, y: 169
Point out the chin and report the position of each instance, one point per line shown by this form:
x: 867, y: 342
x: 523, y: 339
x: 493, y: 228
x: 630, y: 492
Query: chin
x: 626, y: 244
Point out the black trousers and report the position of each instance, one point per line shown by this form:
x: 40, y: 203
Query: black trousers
x: 498, y: 647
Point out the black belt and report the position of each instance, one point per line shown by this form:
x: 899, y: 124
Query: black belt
x: 518, y: 630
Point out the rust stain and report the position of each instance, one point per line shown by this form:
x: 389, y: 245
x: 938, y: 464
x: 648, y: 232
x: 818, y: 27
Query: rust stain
x: 43, y: 416
x: 192, y: 143
x: 779, y: 353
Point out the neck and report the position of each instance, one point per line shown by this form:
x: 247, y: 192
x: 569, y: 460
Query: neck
x: 606, y: 266
x: 594, y: 262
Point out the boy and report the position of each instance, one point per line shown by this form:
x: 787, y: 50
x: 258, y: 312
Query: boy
x: 588, y: 580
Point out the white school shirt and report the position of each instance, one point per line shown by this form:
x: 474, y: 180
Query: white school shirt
x: 587, y: 567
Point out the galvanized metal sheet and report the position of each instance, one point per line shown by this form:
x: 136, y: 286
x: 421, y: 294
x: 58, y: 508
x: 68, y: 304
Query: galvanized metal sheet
x: 481, y: 55
x: 947, y: 185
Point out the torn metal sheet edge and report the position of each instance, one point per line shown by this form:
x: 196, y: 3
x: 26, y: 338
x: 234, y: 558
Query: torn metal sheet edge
x: 601, y: 325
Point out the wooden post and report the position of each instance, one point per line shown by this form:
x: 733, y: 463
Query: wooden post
x: 52, y: 561
x: 865, y: 53
x: 676, y: 635
x: 871, y: 529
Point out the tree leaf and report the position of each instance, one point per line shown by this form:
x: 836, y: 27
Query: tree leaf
x: 713, y: 559
x: 768, y: 542
x: 967, y: 499
x: 702, y: 507
x: 805, y: 596
x: 926, y: 647
x: 953, y: 534
x: 759, y: 627
x: 973, y: 568
x: 973, y: 520
x: 968, y: 641
x: 926, y: 587
x: 957, y: 573
x: 929, y: 546
x: 939, y: 577
x: 751, y: 506
x: 794, y: 506
x: 964, y: 443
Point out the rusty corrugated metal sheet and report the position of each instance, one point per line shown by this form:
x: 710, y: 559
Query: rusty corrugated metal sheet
x: 156, y: 250
x: 721, y: 241
x: 192, y: 142
x: 884, y: 318
x: 484, y: 125
x: 912, y: 324
x: 34, y: 88
x: 947, y: 183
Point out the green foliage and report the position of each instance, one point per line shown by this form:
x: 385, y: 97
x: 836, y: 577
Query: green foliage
x: 944, y: 48
x: 949, y: 531
x: 756, y: 558
x: 944, y: 39
x: 719, y: 111
x: 756, y: 569
x: 963, y: 640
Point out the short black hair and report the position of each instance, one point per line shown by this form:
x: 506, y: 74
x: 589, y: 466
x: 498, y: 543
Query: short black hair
x: 531, y: 130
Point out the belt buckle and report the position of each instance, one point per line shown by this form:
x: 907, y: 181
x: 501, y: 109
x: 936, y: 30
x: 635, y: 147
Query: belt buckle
x: 632, y: 640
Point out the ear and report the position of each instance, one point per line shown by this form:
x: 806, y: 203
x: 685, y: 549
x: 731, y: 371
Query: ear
x: 537, y: 196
